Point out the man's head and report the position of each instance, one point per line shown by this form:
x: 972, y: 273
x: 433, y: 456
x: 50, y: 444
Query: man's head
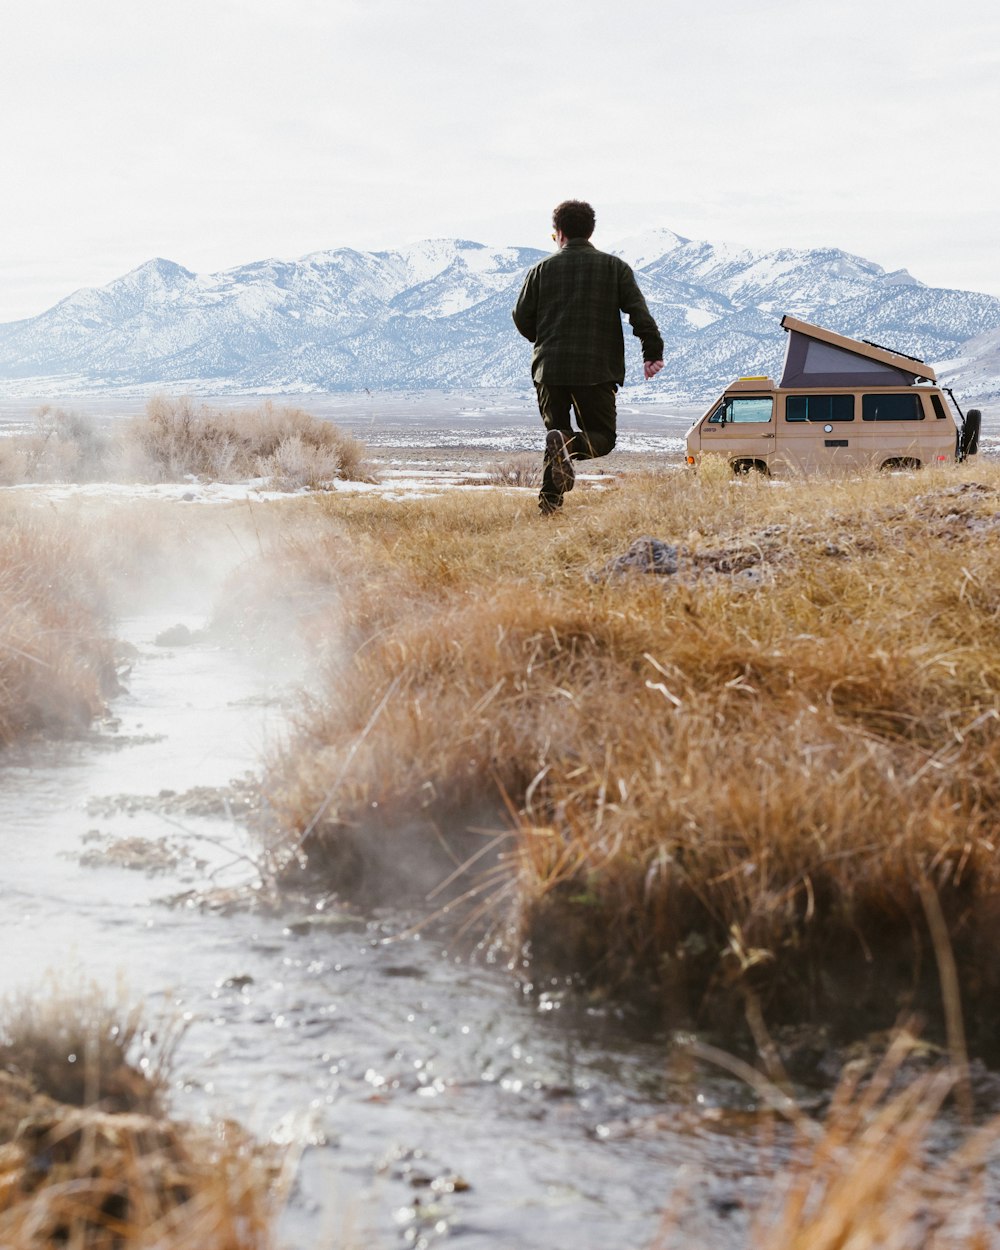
x: 574, y: 219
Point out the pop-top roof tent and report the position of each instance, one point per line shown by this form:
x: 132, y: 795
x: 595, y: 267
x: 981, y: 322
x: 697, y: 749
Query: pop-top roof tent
x: 818, y: 357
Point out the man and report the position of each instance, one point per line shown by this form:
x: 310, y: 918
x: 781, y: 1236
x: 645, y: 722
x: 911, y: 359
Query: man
x: 570, y: 307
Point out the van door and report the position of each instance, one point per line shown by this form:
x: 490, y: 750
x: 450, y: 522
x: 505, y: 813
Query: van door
x: 818, y: 431
x: 742, y: 429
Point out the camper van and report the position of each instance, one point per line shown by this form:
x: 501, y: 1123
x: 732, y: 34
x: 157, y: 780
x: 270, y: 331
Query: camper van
x: 842, y: 405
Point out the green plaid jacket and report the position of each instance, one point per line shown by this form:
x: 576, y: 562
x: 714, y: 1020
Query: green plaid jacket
x: 570, y: 307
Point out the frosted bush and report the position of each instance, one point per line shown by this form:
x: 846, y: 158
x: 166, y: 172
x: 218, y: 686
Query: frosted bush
x: 295, y: 464
x: 176, y: 439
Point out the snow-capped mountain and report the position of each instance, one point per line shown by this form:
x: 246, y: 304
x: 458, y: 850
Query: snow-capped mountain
x: 437, y: 314
x: 976, y: 371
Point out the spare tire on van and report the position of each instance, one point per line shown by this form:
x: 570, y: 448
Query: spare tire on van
x: 969, y: 439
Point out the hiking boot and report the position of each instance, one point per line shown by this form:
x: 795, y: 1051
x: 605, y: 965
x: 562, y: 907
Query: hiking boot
x: 557, y: 458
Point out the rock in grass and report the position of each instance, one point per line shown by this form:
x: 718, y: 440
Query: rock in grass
x: 645, y: 555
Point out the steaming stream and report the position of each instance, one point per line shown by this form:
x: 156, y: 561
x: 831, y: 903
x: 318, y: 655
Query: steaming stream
x: 434, y: 1105
x: 409, y: 1073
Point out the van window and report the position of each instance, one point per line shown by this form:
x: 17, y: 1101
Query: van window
x: 892, y: 407
x: 819, y: 408
x: 744, y: 408
x: 938, y: 406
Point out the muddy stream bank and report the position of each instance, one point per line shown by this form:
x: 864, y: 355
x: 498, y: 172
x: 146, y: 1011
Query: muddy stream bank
x: 434, y: 1103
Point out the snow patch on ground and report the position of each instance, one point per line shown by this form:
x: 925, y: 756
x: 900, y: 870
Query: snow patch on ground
x: 393, y: 484
x: 181, y: 492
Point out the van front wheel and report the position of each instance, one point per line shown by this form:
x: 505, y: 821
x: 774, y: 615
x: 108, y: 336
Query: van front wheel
x: 741, y: 468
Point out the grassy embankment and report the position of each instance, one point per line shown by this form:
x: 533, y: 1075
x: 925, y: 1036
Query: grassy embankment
x: 88, y: 1158
x: 740, y: 775
x: 285, y: 446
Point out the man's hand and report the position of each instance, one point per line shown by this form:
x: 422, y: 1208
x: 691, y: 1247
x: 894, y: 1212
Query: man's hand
x: 651, y: 368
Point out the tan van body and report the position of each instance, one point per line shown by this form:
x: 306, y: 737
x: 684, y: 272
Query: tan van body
x: 842, y: 405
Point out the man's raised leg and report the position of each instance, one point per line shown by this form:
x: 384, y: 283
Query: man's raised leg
x: 597, y: 418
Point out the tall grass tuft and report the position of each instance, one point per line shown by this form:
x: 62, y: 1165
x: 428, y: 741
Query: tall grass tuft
x: 88, y: 1157
x: 887, y: 1165
x: 522, y: 470
x: 880, y: 1170
x: 57, y: 663
x: 77, y: 1048
x: 734, y: 776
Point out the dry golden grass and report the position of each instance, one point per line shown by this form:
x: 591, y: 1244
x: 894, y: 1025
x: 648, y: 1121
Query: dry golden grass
x: 736, y: 775
x: 519, y: 470
x: 882, y: 1170
x: 873, y: 1177
x: 88, y: 1158
x: 177, y: 438
x: 74, y: 1047
x: 56, y: 659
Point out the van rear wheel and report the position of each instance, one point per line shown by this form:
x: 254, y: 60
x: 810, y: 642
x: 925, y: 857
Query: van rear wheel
x: 899, y: 464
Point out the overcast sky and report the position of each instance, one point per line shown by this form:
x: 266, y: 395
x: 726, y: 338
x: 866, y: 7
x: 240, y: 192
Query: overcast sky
x: 217, y: 132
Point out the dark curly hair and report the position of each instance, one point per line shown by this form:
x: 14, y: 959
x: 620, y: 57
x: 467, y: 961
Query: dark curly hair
x: 575, y: 218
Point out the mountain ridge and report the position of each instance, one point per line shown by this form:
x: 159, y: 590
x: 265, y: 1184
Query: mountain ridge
x: 436, y: 314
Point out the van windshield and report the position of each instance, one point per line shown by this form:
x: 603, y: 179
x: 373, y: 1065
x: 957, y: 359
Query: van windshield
x: 743, y: 408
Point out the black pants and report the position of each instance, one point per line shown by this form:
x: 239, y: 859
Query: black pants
x: 594, y: 409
